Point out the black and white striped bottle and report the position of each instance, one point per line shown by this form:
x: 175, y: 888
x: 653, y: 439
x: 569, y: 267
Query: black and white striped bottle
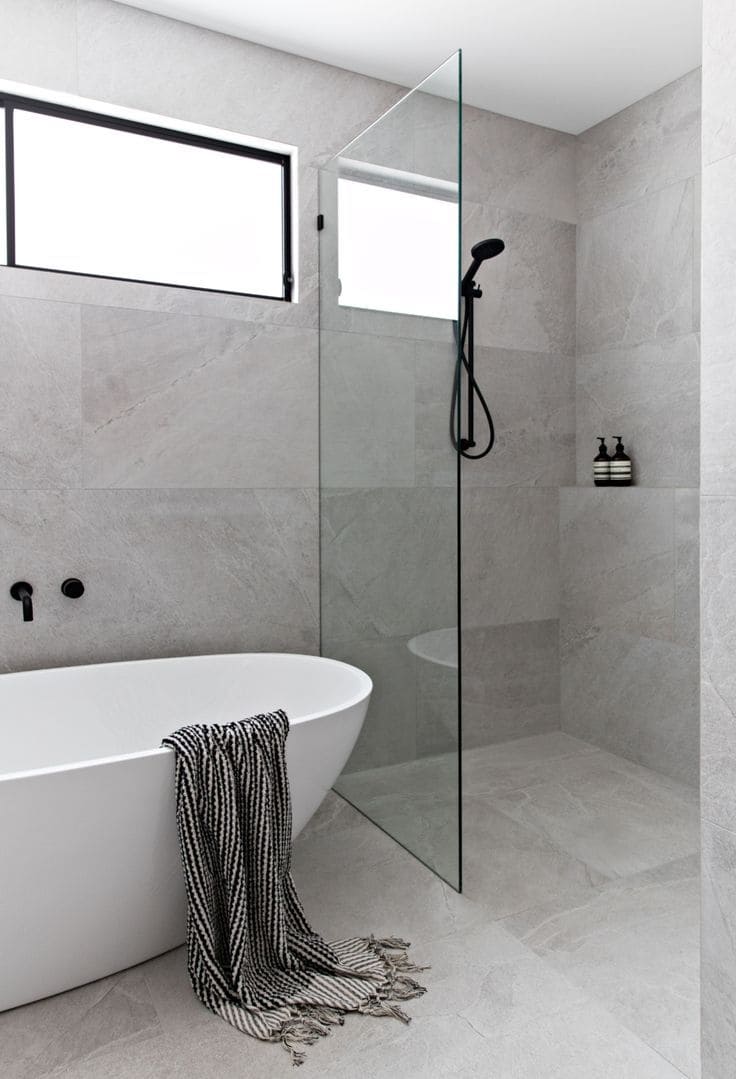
x: 621, y: 473
x: 602, y: 466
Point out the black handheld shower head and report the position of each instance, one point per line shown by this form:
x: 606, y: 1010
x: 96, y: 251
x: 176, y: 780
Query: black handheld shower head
x: 486, y: 249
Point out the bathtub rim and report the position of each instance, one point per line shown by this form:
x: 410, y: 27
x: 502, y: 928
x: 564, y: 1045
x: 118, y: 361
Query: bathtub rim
x: 160, y: 751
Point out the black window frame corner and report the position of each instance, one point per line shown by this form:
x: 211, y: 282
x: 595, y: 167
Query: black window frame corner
x: 10, y: 103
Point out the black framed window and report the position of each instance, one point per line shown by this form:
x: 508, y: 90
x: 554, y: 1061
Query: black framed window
x: 98, y: 195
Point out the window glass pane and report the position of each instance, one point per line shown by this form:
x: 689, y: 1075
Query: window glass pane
x: 96, y: 200
x: 397, y: 250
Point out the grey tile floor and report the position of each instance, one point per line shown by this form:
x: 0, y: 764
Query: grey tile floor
x: 572, y: 954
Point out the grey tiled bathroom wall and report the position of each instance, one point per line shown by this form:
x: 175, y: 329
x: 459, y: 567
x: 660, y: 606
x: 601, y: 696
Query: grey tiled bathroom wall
x: 184, y: 412
x: 718, y: 533
x: 629, y: 601
x: 161, y: 443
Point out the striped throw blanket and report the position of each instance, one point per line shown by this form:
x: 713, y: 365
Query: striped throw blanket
x: 253, y: 959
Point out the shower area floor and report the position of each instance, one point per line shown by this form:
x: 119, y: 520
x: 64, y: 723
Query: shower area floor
x: 573, y: 950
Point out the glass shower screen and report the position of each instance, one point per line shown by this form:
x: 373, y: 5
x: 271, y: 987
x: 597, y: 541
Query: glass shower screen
x: 389, y: 490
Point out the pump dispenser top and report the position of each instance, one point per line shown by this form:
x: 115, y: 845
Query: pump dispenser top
x: 621, y: 472
x: 602, y: 465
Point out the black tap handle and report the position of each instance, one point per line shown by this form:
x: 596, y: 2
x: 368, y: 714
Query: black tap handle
x: 72, y: 587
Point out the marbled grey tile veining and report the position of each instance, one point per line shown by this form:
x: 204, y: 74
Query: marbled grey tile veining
x: 617, y: 561
x: 619, y: 820
x: 529, y: 291
x: 511, y: 683
x: 532, y: 400
x: 518, y: 166
x: 719, y: 326
x: 633, y: 946
x: 646, y: 147
x: 510, y: 555
x: 718, y: 963
x: 634, y: 695
x: 718, y: 595
x: 388, y: 561
x: 171, y: 401
x: 719, y: 85
x: 40, y: 373
x: 367, y: 410
x: 635, y: 271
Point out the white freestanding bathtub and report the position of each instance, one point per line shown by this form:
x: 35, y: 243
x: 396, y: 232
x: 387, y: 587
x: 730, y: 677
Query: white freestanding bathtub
x: 90, y: 880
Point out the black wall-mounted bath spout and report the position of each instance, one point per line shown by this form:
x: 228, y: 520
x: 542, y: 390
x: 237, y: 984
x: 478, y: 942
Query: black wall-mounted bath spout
x: 22, y: 591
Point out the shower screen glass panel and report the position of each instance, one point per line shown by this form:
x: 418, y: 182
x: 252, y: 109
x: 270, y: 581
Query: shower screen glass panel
x: 389, y: 492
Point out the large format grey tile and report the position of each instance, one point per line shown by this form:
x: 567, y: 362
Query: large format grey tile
x: 650, y: 394
x: 687, y: 568
x: 646, y: 147
x: 718, y: 698
x: 629, y: 624
x: 175, y: 401
x: 435, y: 459
x: 719, y: 248
x: 388, y: 558
x: 517, y: 165
x: 616, y: 818
x: 617, y: 561
x: 633, y: 946
x: 507, y: 162
x: 366, y: 410
x: 718, y: 964
x: 633, y: 695
x: 508, y: 766
x: 393, y: 897
x: 718, y: 593
x: 158, y: 1058
x: 166, y: 573
x: 510, y: 683
x: 121, y: 1015
x: 426, y: 825
x: 510, y: 555
x: 635, y: 271
x: 717, y: 756
x: 41, y: 438
x: 528, y: 298
x: 582, y: 1040
x: 719, y: 92
x: 30, y: 1032
x: 509, y: 866
x: 719, y: 321
x: 38, y: 42
x: 531, y: 397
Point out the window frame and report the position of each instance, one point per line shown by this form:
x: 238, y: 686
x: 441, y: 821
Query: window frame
x: 9, y: 103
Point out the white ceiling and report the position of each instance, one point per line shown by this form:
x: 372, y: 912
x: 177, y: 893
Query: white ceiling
x: 563, y: 63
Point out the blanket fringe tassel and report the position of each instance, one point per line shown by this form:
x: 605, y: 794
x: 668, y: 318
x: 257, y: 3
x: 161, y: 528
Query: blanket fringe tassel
x: 308, y: 1024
